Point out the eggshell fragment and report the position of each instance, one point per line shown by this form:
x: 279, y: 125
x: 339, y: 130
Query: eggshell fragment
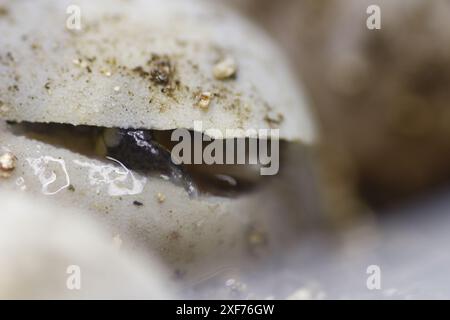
x: 158, y: 54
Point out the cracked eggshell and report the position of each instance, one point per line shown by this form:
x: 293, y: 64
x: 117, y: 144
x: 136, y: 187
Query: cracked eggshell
x: 194, y: 236
x: 104, y: 74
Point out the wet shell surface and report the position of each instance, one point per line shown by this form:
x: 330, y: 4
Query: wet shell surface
x: 194, y: 236
x: 145, y: 64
